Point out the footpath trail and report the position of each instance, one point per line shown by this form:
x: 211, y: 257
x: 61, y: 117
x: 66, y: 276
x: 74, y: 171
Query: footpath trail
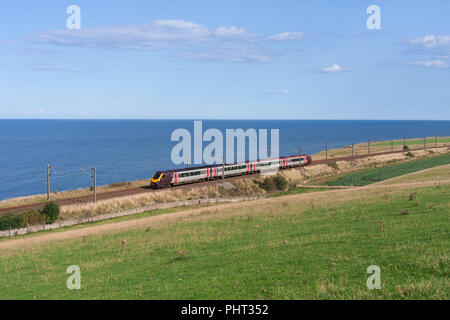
x: 340, y: 195
x: 140, y: 190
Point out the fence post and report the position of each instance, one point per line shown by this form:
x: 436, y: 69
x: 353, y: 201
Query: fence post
x: 435, y: 142
x: 353, y: 159
x: 326, y: 152
x: 300, y: 155
x: 368, y: 147
x: 424, y: 143
x: 392, y: 146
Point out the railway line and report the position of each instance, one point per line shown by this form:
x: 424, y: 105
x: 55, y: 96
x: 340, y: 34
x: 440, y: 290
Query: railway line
x: 146, y: 189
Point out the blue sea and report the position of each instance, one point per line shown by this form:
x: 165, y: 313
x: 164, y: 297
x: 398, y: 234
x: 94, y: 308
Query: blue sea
x: 133, y: 149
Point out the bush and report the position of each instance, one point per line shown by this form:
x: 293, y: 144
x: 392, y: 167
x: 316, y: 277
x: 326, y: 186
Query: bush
x: 409, y: 154
x: 267, y: 184
x: 51, y: 212
x: 333, y: 165
x: 280, y: 182
x: 405, y: 148
x: 277, y: 182
x: 11, y: 221
x: 33, y: 217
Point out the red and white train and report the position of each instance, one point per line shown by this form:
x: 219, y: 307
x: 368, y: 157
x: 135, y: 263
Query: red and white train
x: 162, y: 179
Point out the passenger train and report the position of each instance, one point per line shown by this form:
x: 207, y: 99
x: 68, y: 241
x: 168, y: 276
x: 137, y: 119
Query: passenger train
x: 169, y: 178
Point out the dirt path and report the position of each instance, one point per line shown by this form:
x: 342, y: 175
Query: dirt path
x: 334, y: 195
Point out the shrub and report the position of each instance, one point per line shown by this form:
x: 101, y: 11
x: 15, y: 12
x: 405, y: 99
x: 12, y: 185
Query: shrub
x: 277, y: 182
x: 267, y: 184
x: 51, y: 212
x: 280, y: 182
x: 405, y: 148
x: 409, y: 154
x: 333, y: 165
x: 11, y: 221
x: 33, y: 217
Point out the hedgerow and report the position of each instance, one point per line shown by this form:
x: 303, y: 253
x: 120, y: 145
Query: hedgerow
x: 49, y: 214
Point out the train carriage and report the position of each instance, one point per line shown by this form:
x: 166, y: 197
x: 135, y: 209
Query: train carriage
x: 162, y: 179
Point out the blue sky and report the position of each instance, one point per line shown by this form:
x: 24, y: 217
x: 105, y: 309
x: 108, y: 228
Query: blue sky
x: 225, y: 60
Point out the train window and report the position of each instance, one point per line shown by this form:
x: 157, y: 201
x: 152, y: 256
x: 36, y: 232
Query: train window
x: 157, y: 175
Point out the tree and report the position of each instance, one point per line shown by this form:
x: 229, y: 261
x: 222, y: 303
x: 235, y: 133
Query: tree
x: 51, y: 212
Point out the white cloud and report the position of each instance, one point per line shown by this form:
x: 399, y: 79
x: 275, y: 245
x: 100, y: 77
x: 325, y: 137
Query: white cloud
x: 275, y: 93
x: 437, y: 46
x: 232, y: 32
x: 177, y: 37
x: 432, y: 41
x: 334, y: 68
x: 143, y: 36
x: 285, y: 36
x: 431, y: 64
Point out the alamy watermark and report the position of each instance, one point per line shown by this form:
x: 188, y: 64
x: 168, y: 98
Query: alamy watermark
x: 213, y: 153
x: 374, y: 281
x: 374, y: 20
x: 74, y: 281
x: 74, y: 20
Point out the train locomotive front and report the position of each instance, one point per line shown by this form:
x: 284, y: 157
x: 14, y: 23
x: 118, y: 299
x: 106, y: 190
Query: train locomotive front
x: 161, y: 179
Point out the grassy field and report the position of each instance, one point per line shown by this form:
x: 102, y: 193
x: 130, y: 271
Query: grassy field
x: 306, y: 246
x: 368, y: 176
x: 380, y: 146
x: 415, y: 143
x: 436, y: 174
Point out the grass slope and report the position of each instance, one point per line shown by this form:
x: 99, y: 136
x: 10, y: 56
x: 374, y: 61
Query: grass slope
x: 429, y: 142
x: 435, y: 174
x: 368, y: 176
x: 288, y: 249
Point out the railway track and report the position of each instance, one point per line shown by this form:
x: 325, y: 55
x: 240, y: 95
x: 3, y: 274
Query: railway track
x: 133, y: 191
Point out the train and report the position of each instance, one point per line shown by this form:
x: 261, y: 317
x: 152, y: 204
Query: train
x: 170, y: 178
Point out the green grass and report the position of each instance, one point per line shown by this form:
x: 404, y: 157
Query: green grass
x: 282, y: 250
x: 144, y: 214
x: 299, y: 190
x: 435, y: 174
x: 429, y: 142
x: 372, y: 175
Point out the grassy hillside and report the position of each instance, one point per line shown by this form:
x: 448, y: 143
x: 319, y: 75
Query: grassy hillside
x: 436, y: 174
x: 368, y: 176
x: 414, y: 142
x: 315, y: 245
